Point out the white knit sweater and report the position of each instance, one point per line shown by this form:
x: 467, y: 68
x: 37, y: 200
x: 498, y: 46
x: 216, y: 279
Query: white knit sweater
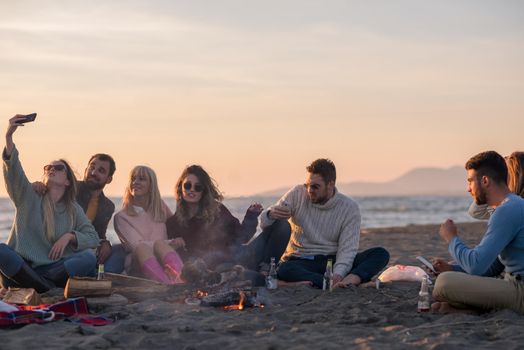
x: 321, y: 229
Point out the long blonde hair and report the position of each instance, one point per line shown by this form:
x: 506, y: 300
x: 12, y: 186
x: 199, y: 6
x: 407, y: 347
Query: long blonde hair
x: 68, y: 198
x: 516, y: 173
x: 209, y: 204
x: 154, y: 201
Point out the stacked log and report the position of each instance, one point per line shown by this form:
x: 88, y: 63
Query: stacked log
x: 87, y: 287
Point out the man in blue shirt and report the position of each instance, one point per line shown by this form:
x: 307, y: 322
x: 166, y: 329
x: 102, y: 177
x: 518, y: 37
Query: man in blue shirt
x: 504, y: 238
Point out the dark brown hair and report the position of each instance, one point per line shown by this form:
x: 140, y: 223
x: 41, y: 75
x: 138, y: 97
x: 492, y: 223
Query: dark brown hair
x: 209, y: 204
x: 325, y: 168
x: 490, y: 164
x: 105, y: 158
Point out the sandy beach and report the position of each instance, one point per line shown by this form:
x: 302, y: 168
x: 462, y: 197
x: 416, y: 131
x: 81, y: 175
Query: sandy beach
x: 296, y: 317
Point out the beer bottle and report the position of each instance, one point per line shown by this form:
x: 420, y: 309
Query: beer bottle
x: 100, y: 275
x: 423, y: 296
x: 272, y: 279
x: 328, y: 276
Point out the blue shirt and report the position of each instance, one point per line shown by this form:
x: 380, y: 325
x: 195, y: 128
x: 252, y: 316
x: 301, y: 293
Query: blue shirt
x: 504, y: 239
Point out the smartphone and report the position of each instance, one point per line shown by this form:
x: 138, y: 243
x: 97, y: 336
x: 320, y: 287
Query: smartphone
x: 284, y: 205
x: 427, y: 264
x: 28, y: 118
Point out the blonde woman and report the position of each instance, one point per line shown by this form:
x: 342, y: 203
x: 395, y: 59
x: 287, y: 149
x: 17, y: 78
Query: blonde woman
x: 516, y: 173
x: 140, y: 225
x: 50, y: 235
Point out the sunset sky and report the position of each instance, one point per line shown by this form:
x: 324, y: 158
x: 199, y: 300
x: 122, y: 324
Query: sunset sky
x: 255, y: 90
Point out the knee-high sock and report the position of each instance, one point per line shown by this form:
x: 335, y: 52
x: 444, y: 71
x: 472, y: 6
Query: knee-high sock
x: 174, y: 265
x: 172, y: 259
x: 152, y: 270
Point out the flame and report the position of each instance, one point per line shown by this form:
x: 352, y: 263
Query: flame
x: 201, y: 293
x: 239, y: 306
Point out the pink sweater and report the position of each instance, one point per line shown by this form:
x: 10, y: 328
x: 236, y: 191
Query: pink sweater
x: 141, y: 228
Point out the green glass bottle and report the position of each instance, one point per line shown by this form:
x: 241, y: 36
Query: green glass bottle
x: 328, y: 276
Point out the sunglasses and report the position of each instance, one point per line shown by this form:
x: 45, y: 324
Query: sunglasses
x: 196, y: 187
x: 55, y: 167
x: 312, y: 186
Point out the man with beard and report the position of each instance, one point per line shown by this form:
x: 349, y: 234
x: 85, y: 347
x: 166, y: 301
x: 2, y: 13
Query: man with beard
x: 325, y: 224
x: 504, y: 239
x: 99, y: 208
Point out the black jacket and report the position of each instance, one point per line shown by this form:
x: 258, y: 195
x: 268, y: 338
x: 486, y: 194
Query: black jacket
x: 105, y: 210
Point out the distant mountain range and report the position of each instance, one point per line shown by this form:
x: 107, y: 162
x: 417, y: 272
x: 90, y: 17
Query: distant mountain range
x: 419, y: 181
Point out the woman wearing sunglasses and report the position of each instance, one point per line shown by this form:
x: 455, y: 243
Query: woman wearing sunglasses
x: 51, y: 235
x: 140, y: 225
x: 202, y: 226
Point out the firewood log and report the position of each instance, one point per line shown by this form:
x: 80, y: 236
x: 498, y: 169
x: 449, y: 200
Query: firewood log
x: 25, y: 296
x: 87, y: 287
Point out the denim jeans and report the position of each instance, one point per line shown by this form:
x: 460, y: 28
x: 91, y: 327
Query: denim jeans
x: 271, y: 242
x: 366, y: 264
x: 77, y: 264
x: 115, y: 262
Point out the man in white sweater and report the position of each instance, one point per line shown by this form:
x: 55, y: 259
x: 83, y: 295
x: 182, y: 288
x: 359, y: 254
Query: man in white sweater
x: 325, y: 224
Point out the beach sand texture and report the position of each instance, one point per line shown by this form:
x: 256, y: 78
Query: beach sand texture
x: 297, y: 317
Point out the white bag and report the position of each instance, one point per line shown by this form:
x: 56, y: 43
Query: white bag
x: 403, y: 273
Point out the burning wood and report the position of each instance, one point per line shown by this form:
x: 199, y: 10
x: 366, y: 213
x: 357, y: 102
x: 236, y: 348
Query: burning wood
x: 239, y: 306
x: 225, y: 287
x: 231, y: 300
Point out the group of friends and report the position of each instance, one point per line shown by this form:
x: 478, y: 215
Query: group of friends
x: 60, y: 225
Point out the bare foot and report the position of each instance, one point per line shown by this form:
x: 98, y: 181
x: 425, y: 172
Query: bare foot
x: 294, y: 284
x: 370, y: 284
x: 346, y: 281
x: 445, y: 308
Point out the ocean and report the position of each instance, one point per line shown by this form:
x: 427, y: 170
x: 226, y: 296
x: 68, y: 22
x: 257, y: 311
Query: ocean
x: 375, y: 211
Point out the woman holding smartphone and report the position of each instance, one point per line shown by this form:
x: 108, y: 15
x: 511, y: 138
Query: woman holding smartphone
x: 140, y: 225
x: 51, y: 235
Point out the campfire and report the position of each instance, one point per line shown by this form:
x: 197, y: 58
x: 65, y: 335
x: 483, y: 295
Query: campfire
x: 227, y: 289
x: 239, y: 306
x: 228, y: 300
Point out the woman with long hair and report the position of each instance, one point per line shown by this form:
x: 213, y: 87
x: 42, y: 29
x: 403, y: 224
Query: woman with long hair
x: 51, y: 235
x: 202, y: 225
x: 516, y: 173
x: 140, y: 225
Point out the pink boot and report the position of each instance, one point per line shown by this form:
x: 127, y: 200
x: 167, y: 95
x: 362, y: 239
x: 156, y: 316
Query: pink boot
x: 173, y: 265
x: 152, y: 270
